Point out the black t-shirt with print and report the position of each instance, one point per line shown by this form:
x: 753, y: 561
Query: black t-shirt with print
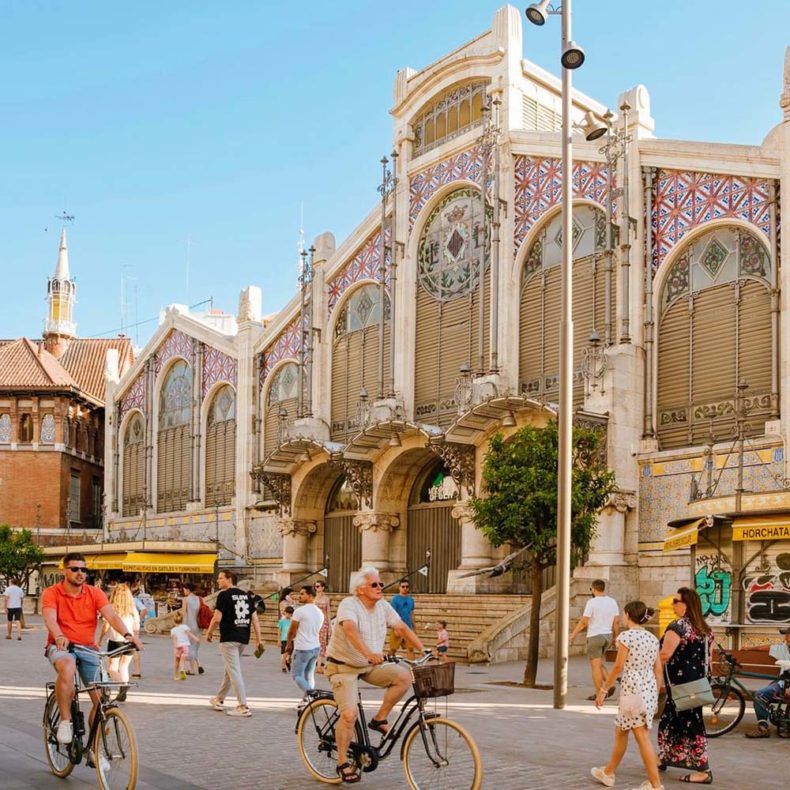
x: 236, y: 616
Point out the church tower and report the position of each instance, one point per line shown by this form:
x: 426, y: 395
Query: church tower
x: 60, y: 328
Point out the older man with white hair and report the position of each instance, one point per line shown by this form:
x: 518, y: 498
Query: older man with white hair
x: 356, y: 650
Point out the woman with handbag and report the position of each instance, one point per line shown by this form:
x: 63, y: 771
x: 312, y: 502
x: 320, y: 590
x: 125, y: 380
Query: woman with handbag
x: 639, y: 666
x: 686, y: 650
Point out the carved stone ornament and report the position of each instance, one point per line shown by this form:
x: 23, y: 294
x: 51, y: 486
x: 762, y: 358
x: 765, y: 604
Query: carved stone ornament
x: 622, y: 501
x: 460, y: 460
x: 463, y: 512
x: 280, y: 486
x: 292, y: 528
x: 360, y: 476
x: 377, y: 522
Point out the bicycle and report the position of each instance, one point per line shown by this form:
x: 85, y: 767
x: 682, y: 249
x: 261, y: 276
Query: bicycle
x: 111, y: 738
x: 724, y: 714
x: 436, y: 752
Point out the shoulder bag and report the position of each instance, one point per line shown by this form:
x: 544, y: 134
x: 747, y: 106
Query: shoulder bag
x: 694, y: 693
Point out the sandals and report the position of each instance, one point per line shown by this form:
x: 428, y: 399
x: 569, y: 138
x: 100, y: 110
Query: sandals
x: 378, y: 725
x: 708, y: 780
x: 348, y: 773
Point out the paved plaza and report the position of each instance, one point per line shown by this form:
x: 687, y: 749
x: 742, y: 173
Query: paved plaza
x: 184, y: 744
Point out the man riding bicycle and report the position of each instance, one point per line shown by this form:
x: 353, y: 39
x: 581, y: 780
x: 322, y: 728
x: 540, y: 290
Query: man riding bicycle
x: 356, y: 650
x: 765, y: 696
x: 71, y: 608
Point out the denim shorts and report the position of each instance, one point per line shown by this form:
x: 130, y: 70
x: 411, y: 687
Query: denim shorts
x: 87, y: 663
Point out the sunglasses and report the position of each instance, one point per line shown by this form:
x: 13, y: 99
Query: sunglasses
x: 376, y: 584
x: 78, y: 569
x: 404, y: 586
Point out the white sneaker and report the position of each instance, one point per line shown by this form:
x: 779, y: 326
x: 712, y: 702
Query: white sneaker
x: 607, y: 780
x: 217, y: 704
x: 103, y: 761
x: 65, y: 732
x: 239, y: 710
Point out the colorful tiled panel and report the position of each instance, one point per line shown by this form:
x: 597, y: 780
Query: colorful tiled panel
x: 217, y: 366
x: 685, y: 199
x: 286, y: 346
x: 134, y: 397
x: 538, y: 185
x: 176, y: 344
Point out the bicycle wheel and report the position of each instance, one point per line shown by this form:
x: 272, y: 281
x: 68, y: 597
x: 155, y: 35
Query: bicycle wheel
x: 726, y: 711
x: 441, y: 754
x: 115, y: 752
x: 315, y: 739
x: 57, y: 753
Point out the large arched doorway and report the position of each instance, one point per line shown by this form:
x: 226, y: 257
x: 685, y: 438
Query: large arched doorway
x: 342, y: 540
x: 432, y: 526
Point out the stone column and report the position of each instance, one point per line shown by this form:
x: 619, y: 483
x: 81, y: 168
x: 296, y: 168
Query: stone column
x: 295, y: 537
x: 475, y: 547
x: 376, y: 529
x: 608, y: 545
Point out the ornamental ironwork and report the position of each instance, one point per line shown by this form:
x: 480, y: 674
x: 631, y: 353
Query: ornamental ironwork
x: 448, y: 258
x: 459, y: 459
x: 360, y: 476
x: 279, y: 485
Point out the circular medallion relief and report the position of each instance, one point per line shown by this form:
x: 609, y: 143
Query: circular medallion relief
x: 448, y: 258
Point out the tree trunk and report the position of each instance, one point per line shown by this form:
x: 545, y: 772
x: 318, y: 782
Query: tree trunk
x: 533, y: 643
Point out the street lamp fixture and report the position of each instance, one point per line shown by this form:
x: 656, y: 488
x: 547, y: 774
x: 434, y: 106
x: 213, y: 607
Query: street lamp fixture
x: 538, y: 13
x: 572, y: 56
x: 591, y: 127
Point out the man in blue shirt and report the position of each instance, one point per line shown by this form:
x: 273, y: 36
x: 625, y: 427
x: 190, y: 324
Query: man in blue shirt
x: 403, y: 604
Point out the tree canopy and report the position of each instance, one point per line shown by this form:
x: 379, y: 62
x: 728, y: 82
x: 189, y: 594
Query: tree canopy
x: 19, y: 554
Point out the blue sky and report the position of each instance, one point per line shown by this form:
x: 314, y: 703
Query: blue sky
x: 192, y: 130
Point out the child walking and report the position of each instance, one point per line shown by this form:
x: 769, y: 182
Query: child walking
x: 182, y: 635
x: 442, y: 639
x: 639, y: 665
x: 284, y: 625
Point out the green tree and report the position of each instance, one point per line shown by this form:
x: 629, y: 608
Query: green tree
x: 19, y: 554
x: 518, y: 505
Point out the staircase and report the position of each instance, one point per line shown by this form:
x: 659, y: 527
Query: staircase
x: 467, y: 616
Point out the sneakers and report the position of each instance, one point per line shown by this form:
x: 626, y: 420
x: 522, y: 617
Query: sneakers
x: 182, y: 675
x: 217, y: 704
x: 607, y: 780
x: 239, y: 710
x: 65, y: 732
x: 103, y: 761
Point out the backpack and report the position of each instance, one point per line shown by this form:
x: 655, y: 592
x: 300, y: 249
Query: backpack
x: 204, y: 615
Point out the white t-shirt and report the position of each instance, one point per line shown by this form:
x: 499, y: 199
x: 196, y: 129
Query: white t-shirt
x: 13, y: 597
x: 372, y: 627
x: 601, y: 611
x: 180, y: 632
x: 310, y: 619
x: 779, y: 652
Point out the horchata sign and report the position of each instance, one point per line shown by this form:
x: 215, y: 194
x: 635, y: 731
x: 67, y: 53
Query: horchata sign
x: 761, y: 532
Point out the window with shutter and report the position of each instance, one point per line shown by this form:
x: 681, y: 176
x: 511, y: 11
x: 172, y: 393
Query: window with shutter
x: 714, y: 332
x: 174, y: 465
x: 134, y: 466
x: 220, y: 448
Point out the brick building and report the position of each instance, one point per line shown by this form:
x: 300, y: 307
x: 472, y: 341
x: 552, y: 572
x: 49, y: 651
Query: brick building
x: 52, y: 417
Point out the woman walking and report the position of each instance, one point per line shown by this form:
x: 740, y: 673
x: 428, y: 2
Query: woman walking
x: 686, y: 650
x: 118, y: 667
x: 190, y: 606
x: 639, y: 666
x: 323, y: 602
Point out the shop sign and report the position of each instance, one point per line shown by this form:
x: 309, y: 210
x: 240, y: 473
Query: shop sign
x: 761, y: 532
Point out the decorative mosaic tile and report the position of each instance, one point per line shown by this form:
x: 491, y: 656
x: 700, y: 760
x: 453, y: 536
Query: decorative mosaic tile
x: 464, y: 166
x: 285, y: 346
x: 686, y: 199
x: 217, y: 366
x: 364, y: 265
x: 176, y: 344
x: 134, y: 397
x: 538, y: 187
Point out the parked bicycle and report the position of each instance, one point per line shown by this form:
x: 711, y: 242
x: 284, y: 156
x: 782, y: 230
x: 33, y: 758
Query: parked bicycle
x: 111, y: 739
x: 436, y: 751
x: 730, y: 696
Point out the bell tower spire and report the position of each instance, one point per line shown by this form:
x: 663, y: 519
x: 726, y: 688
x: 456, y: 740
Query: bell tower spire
x: 62, y: 295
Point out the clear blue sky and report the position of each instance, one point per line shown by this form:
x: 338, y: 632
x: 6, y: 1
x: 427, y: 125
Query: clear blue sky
x: 158, y: 122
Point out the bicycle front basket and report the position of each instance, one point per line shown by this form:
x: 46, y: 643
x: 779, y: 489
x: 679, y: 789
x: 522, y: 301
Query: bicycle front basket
x: 434, y: 680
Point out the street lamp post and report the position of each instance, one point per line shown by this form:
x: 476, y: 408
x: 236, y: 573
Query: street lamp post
x: 572, y: 57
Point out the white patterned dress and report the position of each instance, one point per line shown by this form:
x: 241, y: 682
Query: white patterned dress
x: 638, y: 676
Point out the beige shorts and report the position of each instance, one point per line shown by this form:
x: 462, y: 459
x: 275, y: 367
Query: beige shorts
x: 598, y: 645
x: 344, y: 680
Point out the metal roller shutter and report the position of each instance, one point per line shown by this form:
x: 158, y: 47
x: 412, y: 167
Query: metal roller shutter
x: 426, y: 359
x: 455, y: 331
x: 673, y: 376
x: 754, y: 352
x: 531, y: 336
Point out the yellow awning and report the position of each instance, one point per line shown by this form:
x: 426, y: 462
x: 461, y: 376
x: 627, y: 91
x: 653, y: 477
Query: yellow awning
x: 687, y: 536
x: 761, y: 528
x: 105, y: 562
x: 160, y: 562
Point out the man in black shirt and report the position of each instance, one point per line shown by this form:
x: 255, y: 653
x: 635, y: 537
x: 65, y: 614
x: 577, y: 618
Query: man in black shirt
x: 234, y: 616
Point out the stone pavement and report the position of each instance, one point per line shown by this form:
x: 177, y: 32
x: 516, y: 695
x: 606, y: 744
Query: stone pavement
x: 184, y: 744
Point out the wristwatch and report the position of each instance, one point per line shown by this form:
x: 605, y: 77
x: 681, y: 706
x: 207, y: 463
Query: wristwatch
x: 127, y: 635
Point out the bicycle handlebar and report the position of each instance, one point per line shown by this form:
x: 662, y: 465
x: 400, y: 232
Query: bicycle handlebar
x: 416, y: 663
x: 119, y: 651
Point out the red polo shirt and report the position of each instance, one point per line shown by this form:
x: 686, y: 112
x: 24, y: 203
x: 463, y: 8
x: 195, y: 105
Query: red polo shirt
x: 77, y: 614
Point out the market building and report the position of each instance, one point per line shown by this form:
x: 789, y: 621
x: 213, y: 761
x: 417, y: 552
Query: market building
x: 352, y: 426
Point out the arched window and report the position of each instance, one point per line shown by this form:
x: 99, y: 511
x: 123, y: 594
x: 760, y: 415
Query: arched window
x: 355, y: 355
x: 221, y: 448
x: 48, y: 429
x: 174, y: 459
x: 281, y: 403
x: 133, y: 498
x: 451, y: 248
x: 453, y: 113
x: 5, y: 429
x: 540, y: 308
x: 714, y: 331
x: 25, y: 429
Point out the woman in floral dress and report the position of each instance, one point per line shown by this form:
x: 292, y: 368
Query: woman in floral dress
x: 324, y: 604
x: 639, y: 666
x: 686, y: 650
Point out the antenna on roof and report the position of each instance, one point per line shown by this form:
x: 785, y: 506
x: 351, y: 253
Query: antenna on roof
x: 300, y: 246
x: 65, y: 217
